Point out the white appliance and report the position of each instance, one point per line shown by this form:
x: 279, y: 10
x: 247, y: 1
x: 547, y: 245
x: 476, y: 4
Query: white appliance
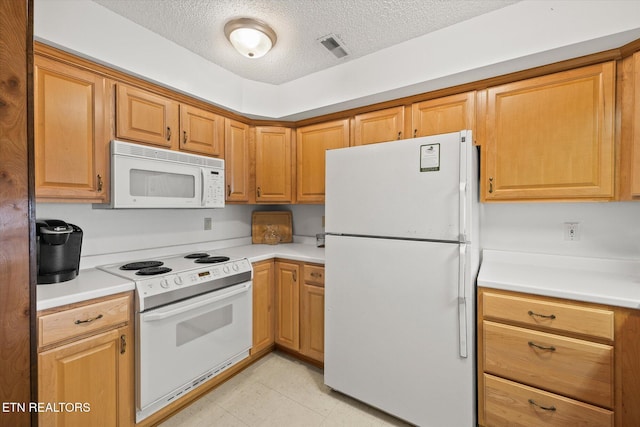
x: 193, y: 320
x: 148, y: 177
x: 401, y: 262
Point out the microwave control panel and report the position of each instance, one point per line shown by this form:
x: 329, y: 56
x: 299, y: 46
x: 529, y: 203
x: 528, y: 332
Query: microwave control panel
x: 213, y: 188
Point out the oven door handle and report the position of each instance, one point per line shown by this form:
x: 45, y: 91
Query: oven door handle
x: 159, y: 315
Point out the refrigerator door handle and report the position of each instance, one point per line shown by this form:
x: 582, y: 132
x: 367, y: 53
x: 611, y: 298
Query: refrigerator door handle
x: 462, y: 301
x: 463, y: 211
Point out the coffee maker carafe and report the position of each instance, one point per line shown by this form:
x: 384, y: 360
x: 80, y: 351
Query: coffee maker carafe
x: 58, y: 250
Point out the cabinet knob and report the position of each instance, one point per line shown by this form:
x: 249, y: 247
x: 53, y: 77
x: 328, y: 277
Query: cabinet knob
x: 100, y: 183
x: 184, y: 137
x: 168, y: 133
x: 415, y: 133
x: 259, y: 191
x: 490, y: 184
x: 123, y: 344
x: 399, y: 135
x: 228, y: 190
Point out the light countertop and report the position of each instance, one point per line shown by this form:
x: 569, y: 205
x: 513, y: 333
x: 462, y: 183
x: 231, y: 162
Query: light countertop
x: 93, y: 283
x: 597, y: 280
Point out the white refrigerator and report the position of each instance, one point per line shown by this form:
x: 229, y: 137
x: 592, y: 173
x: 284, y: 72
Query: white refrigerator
x: 401, y: 262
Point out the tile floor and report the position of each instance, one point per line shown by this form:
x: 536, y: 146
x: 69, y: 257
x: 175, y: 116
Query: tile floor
x: 278, y: 391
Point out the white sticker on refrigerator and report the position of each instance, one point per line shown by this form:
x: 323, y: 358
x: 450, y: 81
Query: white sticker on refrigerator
x: 430, y: 158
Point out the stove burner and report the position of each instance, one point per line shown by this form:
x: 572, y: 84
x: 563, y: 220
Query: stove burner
x: 212, y: 259
x: 141, y: 264
x: 197, y: 255
x: 151, y: 271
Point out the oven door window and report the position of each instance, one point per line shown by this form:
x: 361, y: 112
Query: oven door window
x: 203, y: 324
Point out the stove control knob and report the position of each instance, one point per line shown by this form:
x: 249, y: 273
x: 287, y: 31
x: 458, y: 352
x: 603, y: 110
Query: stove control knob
x: 225, y: 268
x: 235, y: 267
x: 164, y: 283
x: 178, y: 280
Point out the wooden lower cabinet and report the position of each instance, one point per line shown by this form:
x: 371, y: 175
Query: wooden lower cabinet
x: 312, y: 313
x: 546, y: 361
x: 287, y: 275
x: 263, y: 306
x: 87, y: 377
x: 300, y: 308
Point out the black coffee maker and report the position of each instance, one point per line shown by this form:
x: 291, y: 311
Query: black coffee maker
x: 58, y: 250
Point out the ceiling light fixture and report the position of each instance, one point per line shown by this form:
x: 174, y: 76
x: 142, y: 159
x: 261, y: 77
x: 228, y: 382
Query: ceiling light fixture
x: 250, y: 37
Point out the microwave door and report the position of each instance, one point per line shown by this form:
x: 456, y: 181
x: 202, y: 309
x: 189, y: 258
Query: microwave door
x: 151, y: 184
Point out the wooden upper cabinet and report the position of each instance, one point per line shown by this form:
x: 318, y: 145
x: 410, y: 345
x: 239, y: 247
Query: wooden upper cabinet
x: 201, y: 132
x: 237, y: 167
x: 273, y: 164
x: 144, y: 117
x: 444, y: 115
x: 550, y: 137
x: 71, y: 132
x: 635, y: 173
x: 311, y: 144
x: 379, y: 126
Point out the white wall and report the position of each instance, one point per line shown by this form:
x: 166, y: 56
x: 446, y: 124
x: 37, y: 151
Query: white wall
x: 524, y: 35
x: 118, y: 230
x: 607, y: 230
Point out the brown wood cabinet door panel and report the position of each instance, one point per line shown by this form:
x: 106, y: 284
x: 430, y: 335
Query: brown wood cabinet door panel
x: 71, y: 134
x: 236, y: 161
x: 578, y: 369
x: 263, y: 310
x: 85, y: 372
x: 201, y: 132
x: 312, y: 321
x: 635, y: 174
x: 311, y: 144
x: 551, y: 137
x: 145, y: 117
x: 287, y: 304
x: 444, y: 115
x: 379, y: 126
x: 509, y: 404
x: 273, y: 164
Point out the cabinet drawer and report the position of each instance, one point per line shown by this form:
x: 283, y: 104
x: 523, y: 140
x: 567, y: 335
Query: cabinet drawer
x: 555, y: 316
x: 511, y: 404
x: 575, y: 368
x: 314, y: 274
x: 67, y: 324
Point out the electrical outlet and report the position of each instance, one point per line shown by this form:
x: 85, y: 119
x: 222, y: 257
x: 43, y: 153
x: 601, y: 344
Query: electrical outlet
x: 571, y: 231
x: 207, y: 223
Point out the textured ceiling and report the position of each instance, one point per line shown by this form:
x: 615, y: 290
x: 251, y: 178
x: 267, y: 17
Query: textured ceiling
x: 363, y: 26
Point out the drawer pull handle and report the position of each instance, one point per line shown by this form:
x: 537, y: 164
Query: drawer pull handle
x: 541, y: 347
x: 89, y: 320
x: 546, y: 408
x: 546, y: 316
x: 316, y: 275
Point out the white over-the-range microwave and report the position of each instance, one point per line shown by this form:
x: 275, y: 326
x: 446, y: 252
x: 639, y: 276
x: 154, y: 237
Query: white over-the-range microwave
x: 148, y: 177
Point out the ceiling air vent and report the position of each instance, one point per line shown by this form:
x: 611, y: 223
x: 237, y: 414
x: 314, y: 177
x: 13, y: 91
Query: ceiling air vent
x: 332, y: 43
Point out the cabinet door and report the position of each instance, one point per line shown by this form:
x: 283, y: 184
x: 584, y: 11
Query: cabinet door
x: 312, y: 321
x: 95, y: 373
x: 444, y: 115
x: 287, y: 275
x: 551, y: 137
x: 263, y: 312
x: 273, y: 164
x: 635, y: 174
x: 379, y: 126
x: 71, y: 133
x: 311, y: 144
x: 236, y: 160
x: 201, y: 132
x: 144, y: 117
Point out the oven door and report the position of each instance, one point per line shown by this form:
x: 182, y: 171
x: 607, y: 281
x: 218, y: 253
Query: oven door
x: 183, y: 344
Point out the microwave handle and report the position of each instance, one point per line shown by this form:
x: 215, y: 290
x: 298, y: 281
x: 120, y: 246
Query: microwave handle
x: 202, y: 186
